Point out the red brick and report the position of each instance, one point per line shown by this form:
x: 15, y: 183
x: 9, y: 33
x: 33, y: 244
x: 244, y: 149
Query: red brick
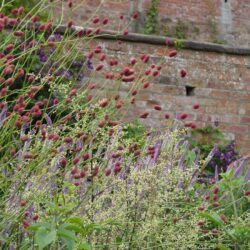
x: 221, y: 80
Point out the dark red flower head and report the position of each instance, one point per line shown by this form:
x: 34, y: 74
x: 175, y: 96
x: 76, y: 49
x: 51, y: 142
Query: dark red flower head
x: 196, y: 106
x: 172, y: 53
x: 183, y: 73
x: 183, y: 115
x: 105, y: 21
x: 144, y: 115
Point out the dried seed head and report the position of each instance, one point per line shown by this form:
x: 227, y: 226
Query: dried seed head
x: 215, y: 204
x: 70, y: 23
x: 200, y: 223
x: 224, y: 218
x: 23, y: 203
x: 24, y: 138
x: 201, y: 208
x: 28, y: 155
x: 102, y: 123
x: 95, y: 170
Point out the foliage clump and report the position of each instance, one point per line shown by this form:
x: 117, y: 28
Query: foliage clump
x: 75, y: 174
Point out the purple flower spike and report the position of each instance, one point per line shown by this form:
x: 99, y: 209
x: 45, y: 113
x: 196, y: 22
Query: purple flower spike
x: 240, y: 168
x: 247, y: 175
x: 216, y: 174
x: 157, y: 150
x: 180, y: 183
x: 65, y: 190
x: 48, y: 119
x: 24, y: 127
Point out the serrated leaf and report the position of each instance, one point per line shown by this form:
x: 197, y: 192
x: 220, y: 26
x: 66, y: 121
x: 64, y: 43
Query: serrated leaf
x: 44, y: 237
x: 215, y: 218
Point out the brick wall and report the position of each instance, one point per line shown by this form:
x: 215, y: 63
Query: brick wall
x: 220, y: 75
x: 220, y: 82
x: 219, y: 21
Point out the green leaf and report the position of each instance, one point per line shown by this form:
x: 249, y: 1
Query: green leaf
x: 67, y: 234
x: 215, y: 218
x: 118, y: 240
x: 190, y: 156
x: 113, y: 222
x: 43, y: 237
x: 26, y: 243
x: 228, y: 175
x: 2, y: 238
x: 66, y: 208
x: 76, y: 220
x: 94, y: 226
x: 85, y: 246
x: 69, y: 243
x: 75, y: 228
x: 222, y: 247
x: 64, y: 225
x: 38, y: 225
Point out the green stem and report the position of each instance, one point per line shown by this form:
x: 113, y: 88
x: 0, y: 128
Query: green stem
x: 234, y: 203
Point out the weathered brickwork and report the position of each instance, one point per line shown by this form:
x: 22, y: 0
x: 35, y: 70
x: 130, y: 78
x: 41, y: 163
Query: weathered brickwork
x: 221, y: 81
x: 221, y: 85
x: 219, y: 21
